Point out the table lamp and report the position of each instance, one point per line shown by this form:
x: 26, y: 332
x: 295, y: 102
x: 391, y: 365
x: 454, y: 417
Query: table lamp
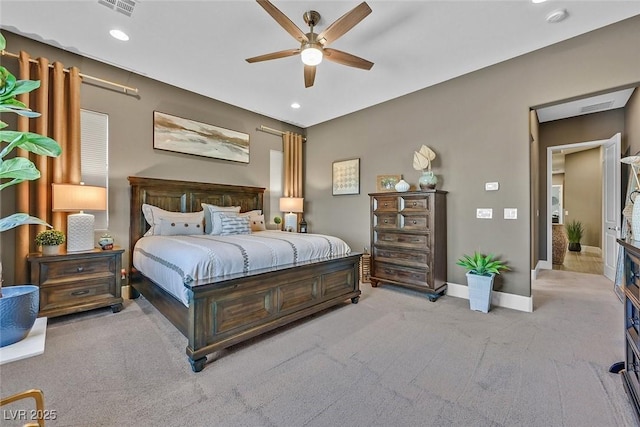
x: 72, y: 198
x: 292, y: 205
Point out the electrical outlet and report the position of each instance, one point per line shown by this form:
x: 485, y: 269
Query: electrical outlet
x: 484, y: 213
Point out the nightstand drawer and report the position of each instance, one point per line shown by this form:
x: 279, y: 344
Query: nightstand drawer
x: 73, y: 294
x: 76, y: 269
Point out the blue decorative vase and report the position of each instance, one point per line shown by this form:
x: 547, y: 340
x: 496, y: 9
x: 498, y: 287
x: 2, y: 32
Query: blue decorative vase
x: 427, y: 181
x: 18, y: 311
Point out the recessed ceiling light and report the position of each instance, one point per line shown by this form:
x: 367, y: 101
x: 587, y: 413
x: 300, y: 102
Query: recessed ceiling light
x: 557, y: 16
x: 538, y: 1
x: 295, y: 105
x: 120, y: 35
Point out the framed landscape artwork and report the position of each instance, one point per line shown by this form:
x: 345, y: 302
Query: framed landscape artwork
x: 387, y: 182
x: 346, y: 177
x: 186, y: 136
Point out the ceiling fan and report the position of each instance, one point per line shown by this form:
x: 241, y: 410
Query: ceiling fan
x: 313, y: 47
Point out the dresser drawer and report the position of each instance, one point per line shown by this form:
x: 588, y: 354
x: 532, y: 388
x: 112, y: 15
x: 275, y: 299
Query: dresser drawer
x: 385, y: 203
x: 74, y: 294
x: 414, y: 276
x: 418, y: 241
x: 415, y: 202
x: 413, y: 222
x: 418, y: 259
x: 76, y: 269
x: 385, y: 220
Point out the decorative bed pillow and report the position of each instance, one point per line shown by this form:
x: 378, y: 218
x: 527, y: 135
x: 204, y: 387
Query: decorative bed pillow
x: 171, y: 227
x: 209, y: 213
x: 257, y: 223
x: 234, y: 224
x: 154, y: 216
x: 252, y: 214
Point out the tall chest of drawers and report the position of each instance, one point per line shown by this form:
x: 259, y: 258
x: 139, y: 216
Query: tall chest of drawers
x: 409, y: 240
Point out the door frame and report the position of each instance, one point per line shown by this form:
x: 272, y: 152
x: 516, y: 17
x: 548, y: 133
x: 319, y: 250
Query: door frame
x: 585, y: 145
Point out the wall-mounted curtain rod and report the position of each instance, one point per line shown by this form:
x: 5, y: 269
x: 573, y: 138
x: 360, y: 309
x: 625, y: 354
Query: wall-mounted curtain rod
x: 267, y: 129
x: 126, y: 89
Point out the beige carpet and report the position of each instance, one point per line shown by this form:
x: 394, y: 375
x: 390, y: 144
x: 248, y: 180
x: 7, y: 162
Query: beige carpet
x: 394, y: 359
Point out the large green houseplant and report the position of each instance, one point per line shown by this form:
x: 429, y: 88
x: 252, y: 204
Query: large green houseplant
x: 481, y: 270
x: 18, y: 304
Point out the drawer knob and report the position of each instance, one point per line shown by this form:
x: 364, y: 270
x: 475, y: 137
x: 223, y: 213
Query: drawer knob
x: 415, y: 222
x: 415, y: 204
x: 386, y: 221
x: 78, y: 293
x: 80, y: 269
x: 385, y: 205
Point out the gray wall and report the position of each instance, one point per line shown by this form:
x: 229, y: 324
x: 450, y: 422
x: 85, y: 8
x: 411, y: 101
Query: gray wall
x: 583, y: 193
x: 131, y: 137
x: 478, y: 125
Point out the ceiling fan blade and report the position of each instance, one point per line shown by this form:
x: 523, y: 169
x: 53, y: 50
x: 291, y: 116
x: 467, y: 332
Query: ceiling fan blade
x: 346, y: 59
x: 283, y: 20
x: 274, y: 55
x: 309, y: 75
x: 344, y: 24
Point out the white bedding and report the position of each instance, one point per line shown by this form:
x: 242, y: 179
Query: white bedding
x: 173, y: 261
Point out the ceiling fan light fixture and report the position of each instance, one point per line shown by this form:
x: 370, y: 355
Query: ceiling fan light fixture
x: 311, y: 54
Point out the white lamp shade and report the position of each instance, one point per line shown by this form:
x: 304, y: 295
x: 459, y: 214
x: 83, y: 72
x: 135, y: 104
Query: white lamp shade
x: 291, y: 204
x: 74, y: 198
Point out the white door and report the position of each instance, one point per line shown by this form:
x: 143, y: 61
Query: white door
x: 611, y: 207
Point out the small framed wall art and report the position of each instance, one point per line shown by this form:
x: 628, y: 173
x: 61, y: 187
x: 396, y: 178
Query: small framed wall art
x: 346, y: 177
x: 387, y: 182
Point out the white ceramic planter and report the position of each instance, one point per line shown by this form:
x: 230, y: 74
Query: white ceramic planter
x: 480, y: 291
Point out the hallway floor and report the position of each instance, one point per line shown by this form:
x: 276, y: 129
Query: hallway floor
x: 589, y: 260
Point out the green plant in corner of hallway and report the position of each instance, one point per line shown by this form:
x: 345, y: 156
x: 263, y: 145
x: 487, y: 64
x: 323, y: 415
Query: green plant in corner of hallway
x: 575, y: 231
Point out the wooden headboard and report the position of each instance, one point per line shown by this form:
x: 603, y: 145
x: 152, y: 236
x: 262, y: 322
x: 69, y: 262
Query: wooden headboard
x: 184, y: 196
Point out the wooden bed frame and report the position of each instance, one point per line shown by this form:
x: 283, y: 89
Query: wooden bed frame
x: 234, y: 309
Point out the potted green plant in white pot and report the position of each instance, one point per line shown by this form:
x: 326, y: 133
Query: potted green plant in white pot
x: 18, y: 304
x: 481, y: 270
x: 51, y: 241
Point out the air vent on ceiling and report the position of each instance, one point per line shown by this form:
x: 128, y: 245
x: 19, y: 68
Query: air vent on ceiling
x: 596, y: 107
x: 123, y: 6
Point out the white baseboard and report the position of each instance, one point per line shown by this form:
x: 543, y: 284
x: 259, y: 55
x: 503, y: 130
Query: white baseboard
x: 500, y: 299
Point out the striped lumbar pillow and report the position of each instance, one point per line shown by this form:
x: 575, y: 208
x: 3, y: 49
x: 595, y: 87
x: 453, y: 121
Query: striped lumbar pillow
x: 233, y: 224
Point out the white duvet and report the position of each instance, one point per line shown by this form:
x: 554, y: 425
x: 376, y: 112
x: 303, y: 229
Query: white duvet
x: 175, y: 261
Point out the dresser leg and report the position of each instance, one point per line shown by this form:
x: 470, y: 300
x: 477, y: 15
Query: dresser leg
x: 198, y: 364
x: 116, y: 308
x: 374, y: 283
x: 355, y: 300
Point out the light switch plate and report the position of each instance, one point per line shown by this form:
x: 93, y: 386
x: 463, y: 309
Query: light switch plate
x: 510, y: 213
x: 484, y: 213
x: 491, y: 186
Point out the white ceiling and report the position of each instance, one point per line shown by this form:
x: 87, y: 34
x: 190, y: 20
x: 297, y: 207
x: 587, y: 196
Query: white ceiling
x: 201, y: 46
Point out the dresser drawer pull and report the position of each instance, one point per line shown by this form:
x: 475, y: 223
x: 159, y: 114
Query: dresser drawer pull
x: 385, y: 205
x: 386, y: 221
x: 78, y: 293
x: 415, y: 204
x: 80, y: 269
x: 415, y: 222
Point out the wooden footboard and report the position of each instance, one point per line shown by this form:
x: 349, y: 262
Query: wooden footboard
x: 228, y: 312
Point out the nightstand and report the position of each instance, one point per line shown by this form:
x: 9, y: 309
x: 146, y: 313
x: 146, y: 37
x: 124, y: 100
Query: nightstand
x: 77, y: 281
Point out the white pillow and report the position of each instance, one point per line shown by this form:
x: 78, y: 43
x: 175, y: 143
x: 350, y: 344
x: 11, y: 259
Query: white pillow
x: 154, y: 215
x: 171, y: 227
x: 257, y: 223
x: 208, y: 213
x: 234, y: 224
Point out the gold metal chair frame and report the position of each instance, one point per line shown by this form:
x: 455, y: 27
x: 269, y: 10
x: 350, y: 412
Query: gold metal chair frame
x: 39, y: 398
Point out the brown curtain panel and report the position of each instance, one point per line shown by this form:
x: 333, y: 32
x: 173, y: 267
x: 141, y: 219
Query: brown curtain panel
x: 292, y: 150
x: 58, y: 102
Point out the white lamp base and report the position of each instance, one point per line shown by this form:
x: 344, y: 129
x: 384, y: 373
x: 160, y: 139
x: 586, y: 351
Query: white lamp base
x: 80, y: 232
x: 291, y: 222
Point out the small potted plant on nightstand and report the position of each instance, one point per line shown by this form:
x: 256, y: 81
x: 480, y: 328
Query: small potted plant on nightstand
x: 481, y: 270
x: 277, y: 220
x: 51, y: 241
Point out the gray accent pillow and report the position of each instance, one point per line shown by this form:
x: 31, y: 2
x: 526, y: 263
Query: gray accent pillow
x: 208, y: 213
x: 234, y: 224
